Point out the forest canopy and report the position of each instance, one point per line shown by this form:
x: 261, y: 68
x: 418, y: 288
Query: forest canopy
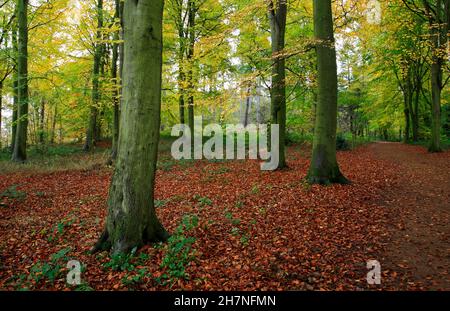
x: 218, y: 64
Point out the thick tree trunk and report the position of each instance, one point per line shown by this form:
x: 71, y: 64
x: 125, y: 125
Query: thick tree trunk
x: 277, y: 17
x: 132, y: 219
x: 439, y: 33
x: 324, y: 168
x: 20, y: 145
x: 91, y: 132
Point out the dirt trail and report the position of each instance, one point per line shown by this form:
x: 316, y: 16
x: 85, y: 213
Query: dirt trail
x: 420, y: 245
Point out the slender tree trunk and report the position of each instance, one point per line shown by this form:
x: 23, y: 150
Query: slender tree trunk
x: 116, y: 86
x: 415, y: 116
x: 181, y: 55
x: 247, y: 108
x: 20, y: 145
x: 190, y: 56
x: 104, y: 58
x: 132, y: 219
x: 324, y: 167
x: 181, y: 107
x: 407, y: 113
x: 15, y: 110
x: 1, y: 107
x: 15, y: 84
x: 258, y: 102
x: 41, y: 122
x: 53, y: 133
x: 91, y: 132
x: 277, y: 17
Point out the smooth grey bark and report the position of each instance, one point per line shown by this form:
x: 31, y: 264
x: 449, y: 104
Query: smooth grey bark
x: 20, y: 145
x: 324, y: 167
x: 277, y: 18
x: 132, y: 220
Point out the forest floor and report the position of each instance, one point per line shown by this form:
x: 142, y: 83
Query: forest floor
x: 256, y: 230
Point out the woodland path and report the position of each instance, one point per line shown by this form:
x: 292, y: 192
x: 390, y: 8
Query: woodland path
x: 420, y: 244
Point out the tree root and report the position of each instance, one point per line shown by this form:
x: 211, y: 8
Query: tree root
x: 104, y: 243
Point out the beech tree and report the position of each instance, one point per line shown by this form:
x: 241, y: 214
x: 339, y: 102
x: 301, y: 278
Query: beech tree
x: 437, y: 14
x: 99, y: 47
x: 20, y: 144
x: 324, y: 167
x: 277, y: 17
x: 132, y: 219
x: 116, y: 75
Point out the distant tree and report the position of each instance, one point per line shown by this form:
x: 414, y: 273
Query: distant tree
x: 437, y: 14
x: 116, y: 75
x: 99, y: 50
x: 277, y: 17
x: 20, y: 144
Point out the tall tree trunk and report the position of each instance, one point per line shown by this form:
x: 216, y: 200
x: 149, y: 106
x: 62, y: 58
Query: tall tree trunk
x: 116, y: 85
x: 15, y: 84
x: 407, y: 98
x: 324, y: 168
x: 15, y: 110
x: 277, y: 17
x: 247, y: 108
x: 91, y: 132
x: 41, y: 122
x: 104, y: 58
x: 132, y: 219
x: 1, y: 107
x: 415, y: 116
x: 436, y: 78
x: 439, y: 33
x: 20, y: 145
x: 190, y: 56
x: 54, y: 119
x: 406, y: 137
x: 181, y: 54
